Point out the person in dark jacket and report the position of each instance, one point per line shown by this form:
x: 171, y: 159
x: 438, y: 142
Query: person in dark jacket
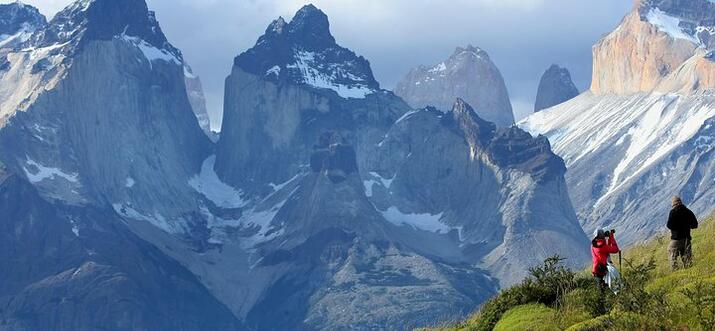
x: 680, y: 221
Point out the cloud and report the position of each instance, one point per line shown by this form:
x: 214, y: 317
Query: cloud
x: 523, y: 37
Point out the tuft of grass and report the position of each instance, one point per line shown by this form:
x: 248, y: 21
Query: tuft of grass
x: 654, y: 297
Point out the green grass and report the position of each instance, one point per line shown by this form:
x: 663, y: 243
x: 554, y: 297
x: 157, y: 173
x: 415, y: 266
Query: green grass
x: 655, y: 298
x: 536, y: 317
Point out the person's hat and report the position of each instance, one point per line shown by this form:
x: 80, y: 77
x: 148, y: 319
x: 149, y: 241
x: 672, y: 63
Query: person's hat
x: 677, y: 201
x: 599, y: 233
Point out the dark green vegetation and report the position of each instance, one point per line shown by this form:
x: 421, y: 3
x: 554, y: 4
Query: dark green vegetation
x: 653, y: 298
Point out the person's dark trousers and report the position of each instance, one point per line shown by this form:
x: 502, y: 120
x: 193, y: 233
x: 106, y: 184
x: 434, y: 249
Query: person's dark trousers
x: 680, y: 249
x: 602, y: 286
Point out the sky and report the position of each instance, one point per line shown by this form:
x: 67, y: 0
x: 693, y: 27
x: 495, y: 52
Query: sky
x: 523, y: 37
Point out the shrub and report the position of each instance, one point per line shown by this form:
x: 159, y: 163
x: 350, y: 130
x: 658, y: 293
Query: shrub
x: 702, y: 301
x: 546, y: 284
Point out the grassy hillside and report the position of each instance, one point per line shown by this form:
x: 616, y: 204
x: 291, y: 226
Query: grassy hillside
x: 653, y: 298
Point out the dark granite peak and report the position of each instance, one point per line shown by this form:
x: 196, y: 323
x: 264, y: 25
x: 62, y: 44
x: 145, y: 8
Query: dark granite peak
x: 17, y: 16
x: 555, y: 87
x: 86, y: 20
x: 303, y: 51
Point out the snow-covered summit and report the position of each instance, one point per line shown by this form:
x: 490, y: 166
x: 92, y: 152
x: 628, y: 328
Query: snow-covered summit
x: 304, y: 51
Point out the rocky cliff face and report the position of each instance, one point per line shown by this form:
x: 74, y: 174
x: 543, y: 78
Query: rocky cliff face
x: 661, y: 46
x: 96, y: 132
x: 643, y: 133
x: 17, y: 23
x: 468, y: 74
x: 103, y: 81
x: 195, y: 92
x: 555, y: 87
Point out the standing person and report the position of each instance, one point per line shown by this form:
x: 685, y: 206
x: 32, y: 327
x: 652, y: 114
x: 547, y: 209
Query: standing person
x: 602, y: 246
x: 680, y: 221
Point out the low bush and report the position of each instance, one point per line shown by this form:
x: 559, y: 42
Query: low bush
x: 546, y: 284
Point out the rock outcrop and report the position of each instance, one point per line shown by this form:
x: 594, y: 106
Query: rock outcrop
x: 661, y: 46
x: 555, y: 87
x: 468, y: 74
x: 195, y: 92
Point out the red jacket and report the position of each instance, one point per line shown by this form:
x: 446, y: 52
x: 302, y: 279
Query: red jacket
x: 601, y: 249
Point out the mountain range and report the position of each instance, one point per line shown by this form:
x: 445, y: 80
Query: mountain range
x: 326, y: 202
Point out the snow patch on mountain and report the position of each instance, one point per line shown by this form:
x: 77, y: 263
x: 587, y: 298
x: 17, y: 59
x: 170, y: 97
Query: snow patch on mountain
x: 208, y: 184
x: 668, y: 24
x: 150, y: 52
x: 36, y: 172
x: 278, y: 187
x: 20, y: 37
x: 426, y: 222
x: 308, y: 64
x: 156, y: 219
x: 376, y: 179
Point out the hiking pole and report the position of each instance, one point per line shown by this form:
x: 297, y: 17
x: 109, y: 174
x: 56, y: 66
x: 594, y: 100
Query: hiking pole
x: 620, y: 261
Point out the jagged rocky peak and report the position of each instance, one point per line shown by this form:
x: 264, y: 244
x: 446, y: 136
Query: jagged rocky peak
x: 476, y: 129
x: 17, y: 16
x: 662, y: 46
x: 508, y: 148
x: 17, y: 22
x: 86, y: 20
x: 469, y: 74
x: 555, y: 87
x: 304, y: 52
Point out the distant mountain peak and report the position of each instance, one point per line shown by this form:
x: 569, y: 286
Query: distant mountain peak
x: 468, y: 74
x: 277, y: 26
x: 470, y: 50
x: 304, y: 52
x: 311, y: 25
x: 555, y: 87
